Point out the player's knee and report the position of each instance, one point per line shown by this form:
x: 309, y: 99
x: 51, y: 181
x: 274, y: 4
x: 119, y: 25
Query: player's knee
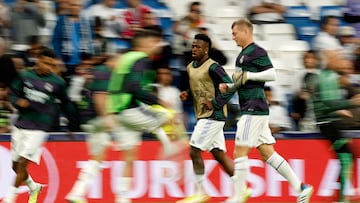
x: 218, y: 154
x: 194, y: 153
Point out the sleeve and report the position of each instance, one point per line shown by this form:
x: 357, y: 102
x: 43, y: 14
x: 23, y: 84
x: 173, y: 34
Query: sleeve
x: 16, y: 92
x: 218, y: 75
x: 266, y: 75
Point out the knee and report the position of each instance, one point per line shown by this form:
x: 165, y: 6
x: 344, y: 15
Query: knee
x: 194, y: 153
x: 218, y: 154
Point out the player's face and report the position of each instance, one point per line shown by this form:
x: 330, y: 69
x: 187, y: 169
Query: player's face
x: 238, y: 35
x: 46, y: 65
x: 199, y: 49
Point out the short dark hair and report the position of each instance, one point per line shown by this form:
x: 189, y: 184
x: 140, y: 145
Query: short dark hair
x: 267, y: 88
x: 144, y: 33
x: 326, y: 19
x: 204, y: 38
x: 195, y: 3
x: 46, y: 51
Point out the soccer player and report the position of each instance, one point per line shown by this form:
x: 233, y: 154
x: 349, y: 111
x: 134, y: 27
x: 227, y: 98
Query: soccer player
x: 134, y: 105
x: 205, y: 75
x: 329, y: 107
x: 253, y: 68
x: 34, y: 94
x: 91, y: 106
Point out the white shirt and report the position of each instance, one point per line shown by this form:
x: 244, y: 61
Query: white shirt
x: 111, y: 28
x: 278, y: 117
x: 325, y: 41
x: 171, y: 94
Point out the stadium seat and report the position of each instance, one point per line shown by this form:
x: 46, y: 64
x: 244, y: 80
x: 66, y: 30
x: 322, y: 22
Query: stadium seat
x: 279, y: 32
x: 291, y: 2
x: 269, y: 46
x: 291, y: 53
x: 337, y: 11
x: 307, y: 30
x: 297, y: 14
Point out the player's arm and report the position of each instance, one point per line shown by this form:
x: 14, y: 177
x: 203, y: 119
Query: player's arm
x: 219, y: 76
x: 16, y: 95
x: 68, y: 108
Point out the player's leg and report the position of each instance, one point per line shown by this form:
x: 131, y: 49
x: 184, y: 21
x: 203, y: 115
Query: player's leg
x: 226, y: 163
x: 218, y: 149
x: 201, y: 140
x: 97, y: 145
x: 268, y: 154
x: 128, y: 142
x: 26, y: 147
x: 245, y: 138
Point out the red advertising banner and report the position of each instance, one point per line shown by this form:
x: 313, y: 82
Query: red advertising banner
x: 159, y: 180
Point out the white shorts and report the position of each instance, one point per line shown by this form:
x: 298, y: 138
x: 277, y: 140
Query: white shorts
x: 135, y: 121
x: 208, y: 134
x: 145, y: 118
x: 97, y: 142
x: 252, y: 131
x: 27, y: 143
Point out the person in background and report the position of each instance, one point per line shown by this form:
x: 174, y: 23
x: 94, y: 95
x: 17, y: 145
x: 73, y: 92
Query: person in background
x: 326, y: 39
x: 134, y: 17
x: 352, y: 14
x: 302, y: 112
x: 6, y: 109
x: 4, y: 20
x: 278, y: 116
x: 112, y: 23
x: 72, y: 38
x: 167, y: 92
x: 205, y: 75
x: 351, y: 44
x: 186, y: 27
x: 253, y: 69
x: 266, y: 11
x: 34, y: 94
x: 26, y: 17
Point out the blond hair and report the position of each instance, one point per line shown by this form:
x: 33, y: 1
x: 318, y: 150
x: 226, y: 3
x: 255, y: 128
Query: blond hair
x: 243, y: 23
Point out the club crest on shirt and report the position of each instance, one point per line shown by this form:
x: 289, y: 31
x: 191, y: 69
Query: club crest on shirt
x: 242, y: 59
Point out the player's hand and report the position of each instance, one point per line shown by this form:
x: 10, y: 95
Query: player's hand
x: 23, y: 103
x: 344, y: 113
x: 208, y: 104
x: 223, y: 87
x: 184, y: 95
x: 239, y: 78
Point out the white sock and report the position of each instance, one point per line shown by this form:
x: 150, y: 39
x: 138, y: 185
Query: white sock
x: 30, y: 183
x: 161, y: 135
x: 11, y: 195
x: 124, y: 184
x: 85, y: 177
x: 199, y: 179
x: 283, y: 167
x: 241, y: 171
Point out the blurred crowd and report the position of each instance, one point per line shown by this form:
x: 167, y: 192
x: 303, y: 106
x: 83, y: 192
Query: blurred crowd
x: 87, y: 36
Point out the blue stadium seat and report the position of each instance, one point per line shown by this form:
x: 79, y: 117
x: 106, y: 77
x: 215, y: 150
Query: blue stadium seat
x: 337, y: 11
x: 307, y: 30
x: 297, y: 15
